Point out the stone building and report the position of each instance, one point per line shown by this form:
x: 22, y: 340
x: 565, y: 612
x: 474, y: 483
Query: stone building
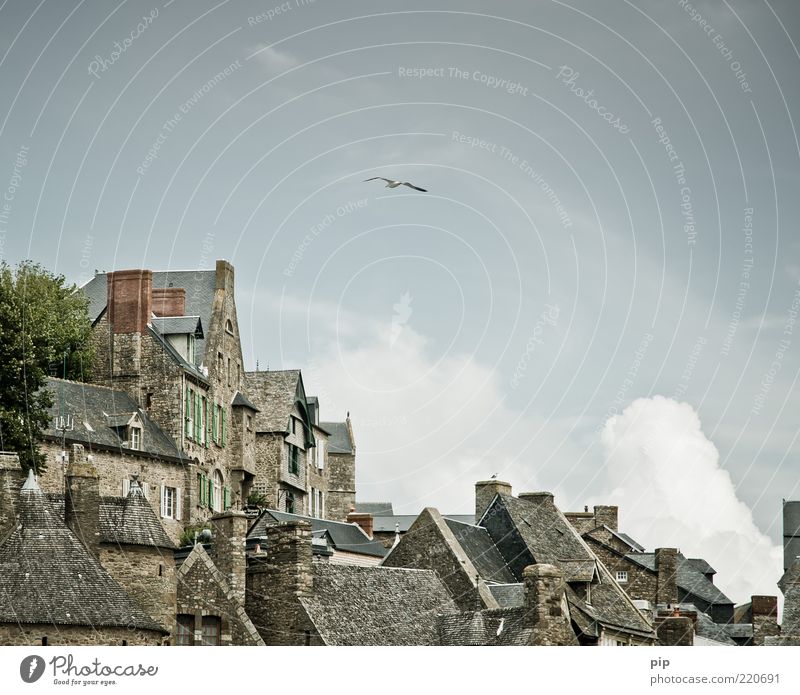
x: 484, y: 564
x: 53, y: 589
x: 666, y: 582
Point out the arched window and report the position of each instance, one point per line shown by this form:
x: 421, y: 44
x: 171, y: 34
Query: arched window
x: 217, y: 502
x: 229, y: 326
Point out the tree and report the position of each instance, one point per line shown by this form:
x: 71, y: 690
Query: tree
x: 44, y: 329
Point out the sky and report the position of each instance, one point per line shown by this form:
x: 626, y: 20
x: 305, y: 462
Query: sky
x: 596, y: 295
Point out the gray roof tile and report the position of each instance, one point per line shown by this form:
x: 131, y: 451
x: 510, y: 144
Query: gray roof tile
x: 689, y: 577
x: 481, y: 551
x: 339, y: 441
x: 275, y: 395
x: 178, y: 325
x: 373, y: 606
x: 47, y: 576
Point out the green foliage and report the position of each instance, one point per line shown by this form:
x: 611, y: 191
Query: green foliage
x: 255, y: 499
x: 187, y: 537
x: 44, y: 328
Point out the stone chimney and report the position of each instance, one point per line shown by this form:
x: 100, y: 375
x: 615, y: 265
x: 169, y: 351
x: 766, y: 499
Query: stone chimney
x: 667, y: 583
x: 544, y: 604
x: 277, y: 579
x: 765, y: 618
x: 543, y: 498
x: 230, y: 534
x: 364, y: 520
x: 82, y: 499
x: 224, y: 276
x: 11, y: 479
x: 676, y: 631
x: 606, y: 515
x: 485, y: 492
x: 129, y: 300
x: 169, y: 301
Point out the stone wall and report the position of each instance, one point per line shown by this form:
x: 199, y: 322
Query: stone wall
x: 29, y: 634
x: 676, y: 631
x: 341, y: 486
x: 11, y: 480
x: 545, y: 603
x: 148, y: 576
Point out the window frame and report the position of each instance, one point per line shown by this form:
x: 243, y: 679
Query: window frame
x: 621, y: 576
x: 294, y: 460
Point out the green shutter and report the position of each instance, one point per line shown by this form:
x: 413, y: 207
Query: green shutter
x: 188, y: 405
x: 201, y: 483
x: 214, y: 433
x: 210, y: 493
x: 224, y: 429
x: 198, y: 416
x: 206, y: 424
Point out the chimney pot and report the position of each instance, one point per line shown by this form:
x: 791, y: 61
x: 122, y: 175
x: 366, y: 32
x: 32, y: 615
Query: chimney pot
x: 364, y: 520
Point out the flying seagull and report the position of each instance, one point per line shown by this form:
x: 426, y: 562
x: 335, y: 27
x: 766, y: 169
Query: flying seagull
x: 394, y: 184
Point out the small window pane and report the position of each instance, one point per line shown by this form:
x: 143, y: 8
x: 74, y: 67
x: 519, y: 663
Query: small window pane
x: 211, y: 630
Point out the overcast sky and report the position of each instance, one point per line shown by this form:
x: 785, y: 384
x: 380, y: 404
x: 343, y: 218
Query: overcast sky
x: 611, y: 215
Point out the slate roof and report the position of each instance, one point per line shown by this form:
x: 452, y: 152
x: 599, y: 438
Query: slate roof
x: 548, y: 537
x: 339, y: 441
x: 345, y: 537
x: 688, y: 577
x: 105, y: 410
x: 178, y: 325
x: 241, y: 400
x: 274, y: 394
x: 481, y: 551
x: 504, y: 627
x: 47, y: 575
x: 386, y: 524
x: 579, y: 570
x: 375, y: 508
x: 373, y: 606
x: 508, y: 595
x: 131, y: 521
x: 200, y: 286
x: 701, y: 565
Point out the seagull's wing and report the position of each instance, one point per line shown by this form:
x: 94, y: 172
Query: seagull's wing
x: 416, y: 188
x: 375, y: 178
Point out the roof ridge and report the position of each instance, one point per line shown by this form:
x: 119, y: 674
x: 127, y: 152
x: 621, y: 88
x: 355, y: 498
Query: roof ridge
x: 88, y: 383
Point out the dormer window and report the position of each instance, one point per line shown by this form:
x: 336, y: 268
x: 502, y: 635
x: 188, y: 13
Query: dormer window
x: 135, y: 437
x: 190, y: 349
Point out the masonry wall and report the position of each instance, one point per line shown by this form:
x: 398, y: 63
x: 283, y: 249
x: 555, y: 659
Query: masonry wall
x: 115, y: 466
x: 341, y: 486
x: 201, y: 593
x: 76, y: 635
x: 268, y: 454
x: 147, y: 574
x: 641, y: 584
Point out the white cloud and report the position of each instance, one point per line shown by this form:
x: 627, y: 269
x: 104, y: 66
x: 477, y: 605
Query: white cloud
x: 672, y: 493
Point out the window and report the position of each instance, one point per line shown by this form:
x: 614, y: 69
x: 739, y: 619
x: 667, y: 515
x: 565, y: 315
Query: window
x: 216, y: 501
x: 189, y: 412
x: 136, y: 438
x: 249, y: 423
x: 312, y: 503
x: 229, y: 371
x: 170, y: 502
x: 220, y: 365
x: 190, y: 348
x: 622, y: 577
x: 204, y: 421
x: 229, y: 326
x: 184, y: 632
x: 321, y: 454
x: 294, y: 469
x: 294, y: 425
x: 320, y: 504
x: 211, y: 630
x: 289, y: 502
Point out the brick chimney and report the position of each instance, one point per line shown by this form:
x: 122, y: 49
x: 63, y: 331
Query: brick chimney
x: 765, y: 618
x: 364, y: 520
x: 129, y: 300
x: 82, y: 499
x: 485, y: 492
x: 276, y: 579
x: 544, y: 598
x: 667, y: 583
x: 230, y: 533
x: 169, y: 301
x: 12, y: 478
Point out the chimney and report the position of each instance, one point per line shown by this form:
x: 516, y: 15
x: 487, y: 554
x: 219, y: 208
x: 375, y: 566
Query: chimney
x: 364, y: 520
x: 82, y: 499
x: 277, y: 579
x: 676, y: 631
x: 230, y: 534
x: 485, y: 492
x: 605, y: 515
x: 11, y: 479
x: 169, y: 301
x: 765, y: 618
x: 224, y: 276
x: 544, y: 605
x: 791, y: 533
x: 666, y: 583
x: 129, y: 300
x: 545, y: 498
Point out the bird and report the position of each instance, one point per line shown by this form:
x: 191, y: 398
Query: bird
x: 390, y: 183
